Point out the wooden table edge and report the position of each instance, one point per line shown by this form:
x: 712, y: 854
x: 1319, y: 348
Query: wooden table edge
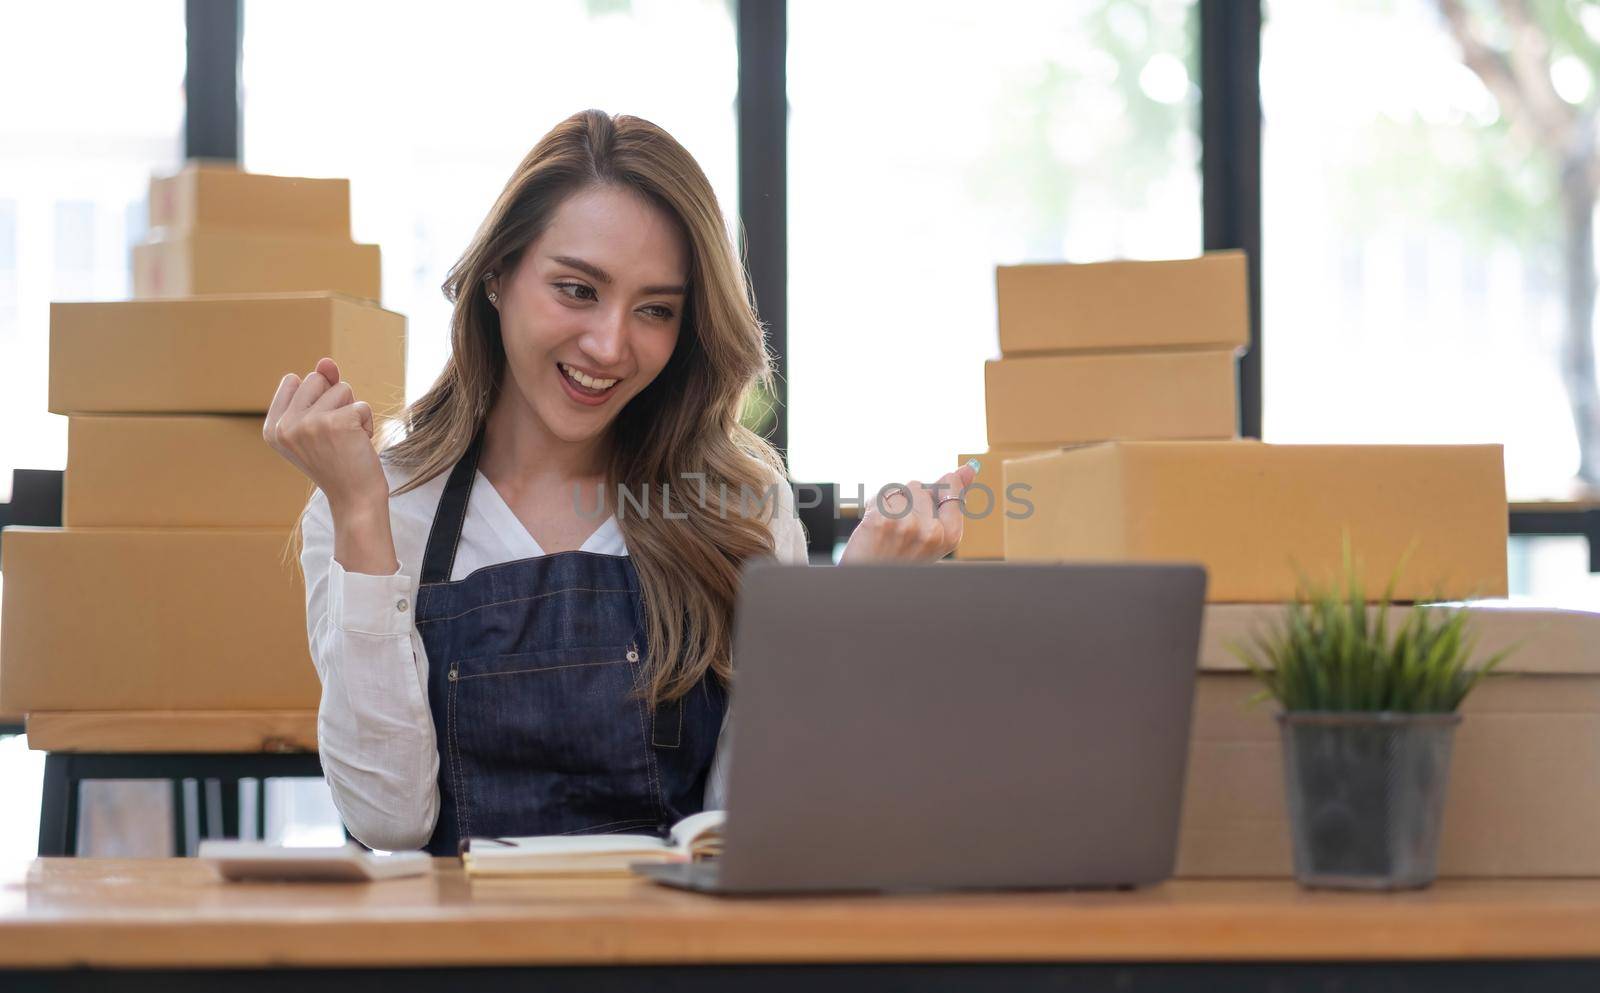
x: 442, y: 922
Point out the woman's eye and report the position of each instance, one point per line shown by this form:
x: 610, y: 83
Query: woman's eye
x: 581, y: 291
x: 564, y: 287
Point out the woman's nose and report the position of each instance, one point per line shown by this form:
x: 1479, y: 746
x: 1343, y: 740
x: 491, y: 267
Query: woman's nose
x: 606, y: 339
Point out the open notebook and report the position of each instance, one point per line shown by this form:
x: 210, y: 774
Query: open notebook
x: 695, y: 837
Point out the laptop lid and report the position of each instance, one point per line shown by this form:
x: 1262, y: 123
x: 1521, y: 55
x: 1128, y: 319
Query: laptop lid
x: 959, y: 725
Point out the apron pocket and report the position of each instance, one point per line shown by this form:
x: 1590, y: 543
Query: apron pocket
x: 551, y: 742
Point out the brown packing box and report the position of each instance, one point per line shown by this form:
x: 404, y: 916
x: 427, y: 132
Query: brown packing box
x: 196, y: 619
x: 1054, y: 399
x: 1064, y: 307
x: 1523, y: 797
x: 1252, y: 513
x: 220, y: 354
x: 983, y: 536
x: 190, y: 470
x: 208, y: 196
x: 202, y: 263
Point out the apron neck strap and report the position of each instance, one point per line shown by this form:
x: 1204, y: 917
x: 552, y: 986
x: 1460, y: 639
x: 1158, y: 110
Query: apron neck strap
x: 440, y: 558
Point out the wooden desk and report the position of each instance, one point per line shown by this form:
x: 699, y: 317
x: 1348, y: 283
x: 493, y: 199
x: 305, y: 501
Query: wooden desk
x: 124, y: 919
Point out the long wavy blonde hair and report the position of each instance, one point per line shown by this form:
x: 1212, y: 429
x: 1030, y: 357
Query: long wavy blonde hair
x: 687, y: 421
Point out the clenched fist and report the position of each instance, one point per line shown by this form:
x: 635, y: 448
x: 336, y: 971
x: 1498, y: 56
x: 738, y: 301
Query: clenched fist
x: 325, y: 432
x: 911, y: 522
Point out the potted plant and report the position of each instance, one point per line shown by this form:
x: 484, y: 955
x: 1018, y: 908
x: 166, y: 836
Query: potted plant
x: 1367, y: 719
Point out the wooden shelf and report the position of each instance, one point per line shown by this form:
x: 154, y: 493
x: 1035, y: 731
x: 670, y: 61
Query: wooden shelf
x: 208, y: 731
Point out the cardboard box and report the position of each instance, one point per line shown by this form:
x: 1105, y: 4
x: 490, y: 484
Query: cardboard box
x: 1252, y: 512
x: 1055, y: 399
x: 222, y: 355
x: 1064, y: 307
x: 179, y: 471
x: 211, y: 196
x: 983, y: 536
x: 197, y: 619
x: 1523, y: 798
x: 202, y: 263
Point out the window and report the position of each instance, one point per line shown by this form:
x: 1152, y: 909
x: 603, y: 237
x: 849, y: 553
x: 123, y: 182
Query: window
x: 8, y: 285
x: 101, y: 111
x: 75, y: 254
x: 1554, y: 569
x: 927, y: 143
x: 1414, y: 270
x: 428, y: 114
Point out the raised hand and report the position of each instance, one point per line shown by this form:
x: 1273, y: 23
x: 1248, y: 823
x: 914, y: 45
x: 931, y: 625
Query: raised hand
x: 325, y: 432
x: 913, y: 522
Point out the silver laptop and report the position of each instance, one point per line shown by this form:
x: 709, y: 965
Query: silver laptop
x: 956, y: 725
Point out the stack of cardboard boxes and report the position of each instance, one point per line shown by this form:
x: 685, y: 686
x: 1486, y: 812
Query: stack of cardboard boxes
x: 171, y: 590
x: 1108, y: 350
x: 220, y: 230
x: 1524, y: 796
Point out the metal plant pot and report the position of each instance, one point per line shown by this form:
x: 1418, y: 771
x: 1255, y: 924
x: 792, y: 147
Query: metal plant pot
x: 1366, y: 796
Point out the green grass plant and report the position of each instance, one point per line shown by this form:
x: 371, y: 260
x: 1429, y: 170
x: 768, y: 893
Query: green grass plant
x: 1328, y: 653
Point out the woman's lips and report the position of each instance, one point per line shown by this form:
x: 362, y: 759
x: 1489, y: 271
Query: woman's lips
x: 582, y: 394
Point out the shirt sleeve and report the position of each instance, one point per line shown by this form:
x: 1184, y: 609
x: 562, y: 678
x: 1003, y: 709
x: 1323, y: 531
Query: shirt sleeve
x: 788, y: 534
x: 717, y: 780
x: 374, y: 730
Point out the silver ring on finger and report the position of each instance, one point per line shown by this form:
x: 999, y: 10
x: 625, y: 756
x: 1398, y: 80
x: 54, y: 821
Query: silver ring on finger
x: 894, y: 490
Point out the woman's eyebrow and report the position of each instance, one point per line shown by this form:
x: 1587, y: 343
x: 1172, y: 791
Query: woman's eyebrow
x: 605, y: 277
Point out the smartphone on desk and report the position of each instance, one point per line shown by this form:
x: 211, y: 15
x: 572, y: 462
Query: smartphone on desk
x: 255, y: 860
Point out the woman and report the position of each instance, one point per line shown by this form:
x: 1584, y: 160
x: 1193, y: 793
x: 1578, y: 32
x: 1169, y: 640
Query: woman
x: 493, y: 662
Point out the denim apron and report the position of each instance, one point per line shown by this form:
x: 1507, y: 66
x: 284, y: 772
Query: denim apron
x: 532, y: 667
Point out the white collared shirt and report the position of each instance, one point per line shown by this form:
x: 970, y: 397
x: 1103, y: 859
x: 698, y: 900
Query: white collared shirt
x: 374, y: 728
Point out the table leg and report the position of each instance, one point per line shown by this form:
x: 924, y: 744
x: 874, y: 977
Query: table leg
x: 180, y: 823
x: 228, y: 793
x: 193, y: 816
x: 211, y: 804
x: 58, y: 807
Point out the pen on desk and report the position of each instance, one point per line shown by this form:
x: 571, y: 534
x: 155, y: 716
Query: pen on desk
x: 466, y: 843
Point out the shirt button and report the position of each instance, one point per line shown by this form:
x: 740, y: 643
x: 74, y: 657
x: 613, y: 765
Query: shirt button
x: 401, y: 605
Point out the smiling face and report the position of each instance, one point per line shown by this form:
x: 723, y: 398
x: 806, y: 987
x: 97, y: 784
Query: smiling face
x: 591, y: 311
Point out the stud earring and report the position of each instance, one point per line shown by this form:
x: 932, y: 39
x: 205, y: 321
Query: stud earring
x: 493, y: 297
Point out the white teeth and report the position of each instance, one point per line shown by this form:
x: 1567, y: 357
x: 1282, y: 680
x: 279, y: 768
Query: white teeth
x: 587, y: 381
